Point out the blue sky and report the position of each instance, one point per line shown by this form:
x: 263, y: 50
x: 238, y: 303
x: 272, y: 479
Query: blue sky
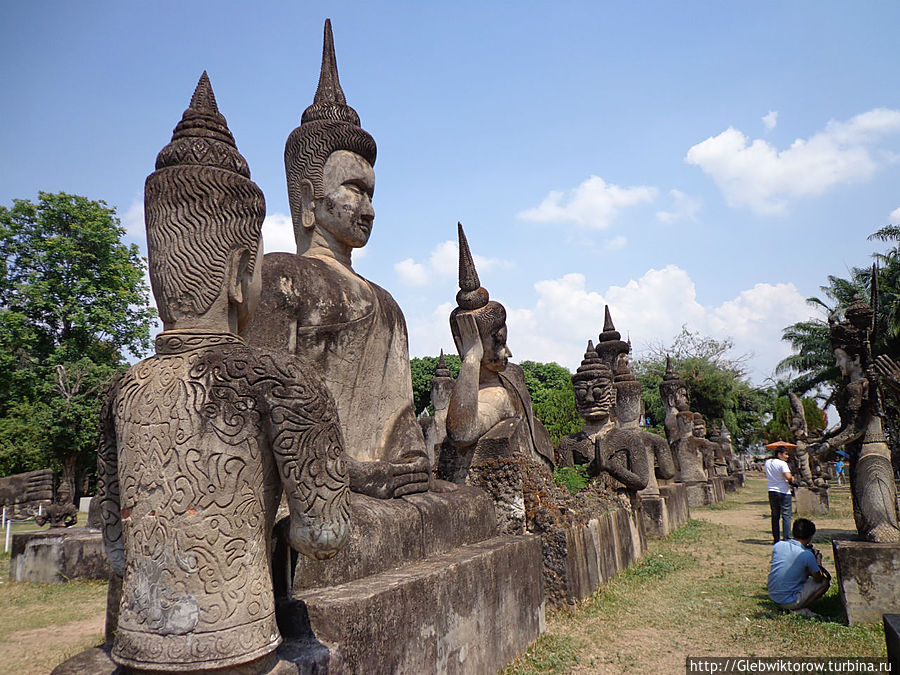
x: 694, y: 163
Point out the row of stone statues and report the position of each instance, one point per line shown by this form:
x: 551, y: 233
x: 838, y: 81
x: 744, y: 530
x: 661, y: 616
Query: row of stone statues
x: 285, y: 378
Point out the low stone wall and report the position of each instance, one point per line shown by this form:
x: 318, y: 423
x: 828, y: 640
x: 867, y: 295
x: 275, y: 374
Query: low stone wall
x: 869, y: 578
x: 23, y: 493
x: 678, y: 511
x: 57, y: 555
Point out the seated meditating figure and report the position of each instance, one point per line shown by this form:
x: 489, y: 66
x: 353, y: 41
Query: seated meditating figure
x: 679, y: 425
x: 713, y: 459
x: 198, y: 442
x: 489, y: 390
x: 594, y: 400
x: 628, y: 453
x: 314, y: 305
x: 861, y: 432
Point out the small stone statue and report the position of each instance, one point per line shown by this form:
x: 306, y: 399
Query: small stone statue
x: 198, y: 441
x: 679, y: 424
x: 60, y: 513
x: 801, y: 454
x: 626, y: 453
x: 315, y: 306
x: 489, y: 389
x: 861, y: 432
x: 434, y: 427
x: 594, y: 401
x: 713, y: 459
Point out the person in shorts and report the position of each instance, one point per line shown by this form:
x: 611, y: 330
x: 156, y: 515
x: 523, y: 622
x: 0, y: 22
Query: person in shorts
x: 796, y: 575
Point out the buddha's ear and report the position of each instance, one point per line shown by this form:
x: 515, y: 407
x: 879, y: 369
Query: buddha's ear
x: 307, y: 204
x: 239, y: 276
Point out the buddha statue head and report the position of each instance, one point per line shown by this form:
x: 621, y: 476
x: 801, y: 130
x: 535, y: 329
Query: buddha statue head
x: 490, y: 316
x: 611, y: 349
x: 594, y: 393
x: 673, y: 390
x: 204, y: 218
x: 699, y: 429
x: 329, y: 162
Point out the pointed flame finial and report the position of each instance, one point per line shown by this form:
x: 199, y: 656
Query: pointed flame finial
x: 471, y: 295
x: 204, y: 99
x: 329, y: 103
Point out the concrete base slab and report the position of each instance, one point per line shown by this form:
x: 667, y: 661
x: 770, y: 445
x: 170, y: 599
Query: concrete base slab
x: 811, y: 501
x: 469, y: 611
x: 57, y: 555
x: 869, y: 578
x: 731, y: 484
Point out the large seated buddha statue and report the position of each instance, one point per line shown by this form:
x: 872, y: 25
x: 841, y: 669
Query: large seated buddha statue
x: 314, y: 305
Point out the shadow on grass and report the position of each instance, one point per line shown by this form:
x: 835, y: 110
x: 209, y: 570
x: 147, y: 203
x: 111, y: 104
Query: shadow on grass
x: 758, y: 503
x: 826, y: 535
x: 829, y: 607
x: 766, y: 542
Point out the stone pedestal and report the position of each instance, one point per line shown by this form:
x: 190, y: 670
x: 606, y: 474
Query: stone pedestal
x: 655, y: 516
x: 677, y: 506
x: 740, y: 477
x: 869, y: 578
x: 57, y: 555
x: 811, y: 501
x: 730, y: 483
x: 715, y: 491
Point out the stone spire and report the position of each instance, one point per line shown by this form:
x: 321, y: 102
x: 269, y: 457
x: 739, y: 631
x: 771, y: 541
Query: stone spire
x: 670, y: 371
x: 442, y: 370
x: 610, y: 344
x: 592, y: 363
x: 329, y: 103
x: 471, y: 294
x: 202, y: 137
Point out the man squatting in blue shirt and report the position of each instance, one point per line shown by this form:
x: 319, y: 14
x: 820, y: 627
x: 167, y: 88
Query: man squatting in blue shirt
x: 796, y: 576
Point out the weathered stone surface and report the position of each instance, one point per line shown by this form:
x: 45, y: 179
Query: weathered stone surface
x: 57, y: 555
x: 869, y: 578
x: 390, y: 533
x: 677, y: 504
x: 861, y: 432
x: 892, y: 638
x: 22, y: 493
x: 811, y: 501
x: 316, y: 307
x: 484, y: 606
x: 198, y: 441
x: 655, y: 515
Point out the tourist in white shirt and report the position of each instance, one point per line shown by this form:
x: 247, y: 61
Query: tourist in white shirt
x: 779, y: 476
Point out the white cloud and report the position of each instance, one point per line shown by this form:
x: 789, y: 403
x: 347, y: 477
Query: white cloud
x: 770, y: 119
x: 616, y: 243
x: 757, y: 175
x: 278, y: 233
x: 684, y: 207
x: 411, y: 273
x: 593, y: 204
x: 895, y: 215
x: 652, y: 309
x: 133, y: 220
x: 443, y: 263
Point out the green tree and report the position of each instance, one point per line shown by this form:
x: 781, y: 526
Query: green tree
x: 73, y: 305
x: 716, y: 383
x: 778, y: 428
x: 422, y: 369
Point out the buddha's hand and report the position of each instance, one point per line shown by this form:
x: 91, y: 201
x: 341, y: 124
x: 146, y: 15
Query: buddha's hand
x: 471, y: 348
x: 384, y: 480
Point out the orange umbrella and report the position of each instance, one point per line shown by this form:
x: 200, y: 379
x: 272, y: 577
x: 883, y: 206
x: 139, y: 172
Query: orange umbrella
x: 781, y: 444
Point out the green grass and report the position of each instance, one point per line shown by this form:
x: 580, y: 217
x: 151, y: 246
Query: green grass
x: 548, y: 654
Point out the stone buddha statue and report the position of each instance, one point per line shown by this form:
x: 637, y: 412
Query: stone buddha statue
x: 199, y: 441
x: 679, y: 424
x: 634, y: 446
x: 594, y: 401
x: 861, y: 432
x: 489, y: 389
x: 315, y: 306
x: 713, y: 459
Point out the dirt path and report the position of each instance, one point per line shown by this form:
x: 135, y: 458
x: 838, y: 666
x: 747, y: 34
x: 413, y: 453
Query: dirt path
x: 702, y: 593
